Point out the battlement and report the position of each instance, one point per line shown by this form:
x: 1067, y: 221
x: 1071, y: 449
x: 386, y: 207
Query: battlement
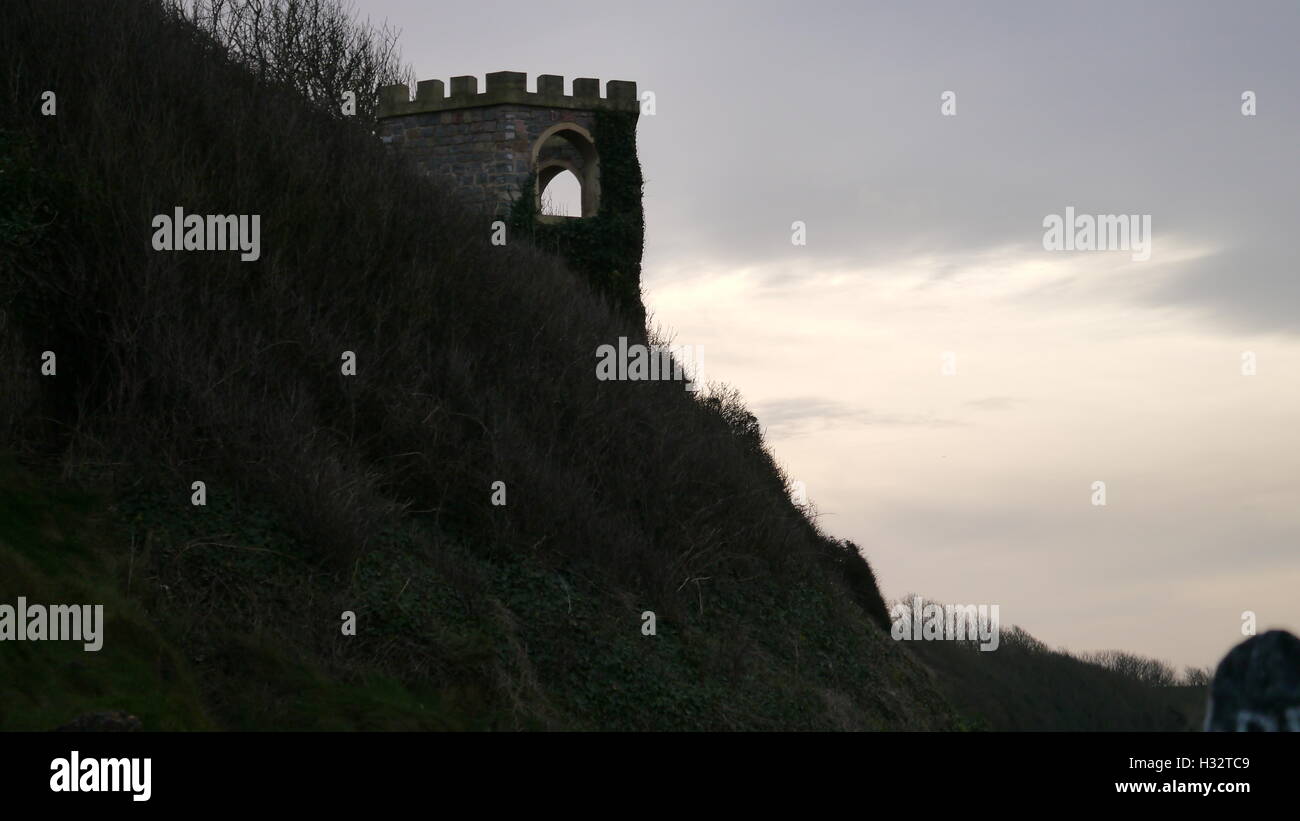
x: 508, y: 87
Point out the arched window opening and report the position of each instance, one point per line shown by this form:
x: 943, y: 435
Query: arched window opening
x: 562, y: 195
x: 565, y: 156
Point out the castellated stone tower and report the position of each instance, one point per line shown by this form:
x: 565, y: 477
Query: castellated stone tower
x: 492, y: 143
x: 501, y: 148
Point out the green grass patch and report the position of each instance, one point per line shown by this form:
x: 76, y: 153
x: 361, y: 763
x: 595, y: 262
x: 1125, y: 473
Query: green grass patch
x: 54, y: 550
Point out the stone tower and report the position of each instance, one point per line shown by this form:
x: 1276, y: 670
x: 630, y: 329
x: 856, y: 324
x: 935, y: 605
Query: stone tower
x: 500, y: 148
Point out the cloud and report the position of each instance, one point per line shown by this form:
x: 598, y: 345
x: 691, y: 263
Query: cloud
x: 994, y: 403
x: 1253, y: 287
x: 792, y: 417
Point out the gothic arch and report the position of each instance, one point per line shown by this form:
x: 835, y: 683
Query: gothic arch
x: 586, y: 169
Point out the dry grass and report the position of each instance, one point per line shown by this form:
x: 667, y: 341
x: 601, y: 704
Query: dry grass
x: 475, y: 363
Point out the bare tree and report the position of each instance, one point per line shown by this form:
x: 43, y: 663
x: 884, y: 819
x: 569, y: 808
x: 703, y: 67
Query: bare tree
x: 318, y: 47
x: 1198, y: 676
x: 1146, y: 670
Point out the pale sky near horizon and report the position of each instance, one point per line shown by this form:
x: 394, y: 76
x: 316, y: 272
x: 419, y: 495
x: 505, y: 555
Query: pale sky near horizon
x: 925, y: 237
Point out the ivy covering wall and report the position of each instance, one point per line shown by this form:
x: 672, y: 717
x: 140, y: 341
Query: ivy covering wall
x: 606, y: 248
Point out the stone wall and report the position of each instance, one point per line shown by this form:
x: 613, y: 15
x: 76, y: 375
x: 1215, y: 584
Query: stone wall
x: 487, y: 151
x: 485, y: 142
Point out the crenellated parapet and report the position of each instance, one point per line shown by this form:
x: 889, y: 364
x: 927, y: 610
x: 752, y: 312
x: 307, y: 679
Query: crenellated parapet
x: 506, y: 88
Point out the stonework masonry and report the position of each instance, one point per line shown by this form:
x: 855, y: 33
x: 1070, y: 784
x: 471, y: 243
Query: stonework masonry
x: 492, y: 143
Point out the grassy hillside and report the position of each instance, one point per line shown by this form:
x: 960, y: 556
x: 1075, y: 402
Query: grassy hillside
x: 52, y: 550
x: 372, y: 494
x: 1025, y: 685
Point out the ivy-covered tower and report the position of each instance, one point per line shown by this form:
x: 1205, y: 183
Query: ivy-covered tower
x: 503, y: 146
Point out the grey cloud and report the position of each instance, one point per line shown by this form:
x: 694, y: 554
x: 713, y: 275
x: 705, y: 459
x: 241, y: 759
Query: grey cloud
x: 1251, y: 287
x: 798, y: 416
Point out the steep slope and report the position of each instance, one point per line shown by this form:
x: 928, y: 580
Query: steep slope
x: 372, y: 493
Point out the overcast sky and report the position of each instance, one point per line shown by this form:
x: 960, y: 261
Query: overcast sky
x: 925, y: 239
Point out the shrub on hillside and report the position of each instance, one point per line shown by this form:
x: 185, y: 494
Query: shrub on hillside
x: 856, y: 571
x: 317, y: 48
x: 475, y: 363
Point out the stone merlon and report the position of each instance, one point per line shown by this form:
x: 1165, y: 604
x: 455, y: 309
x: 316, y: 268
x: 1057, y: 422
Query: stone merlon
x: 507, y: 87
